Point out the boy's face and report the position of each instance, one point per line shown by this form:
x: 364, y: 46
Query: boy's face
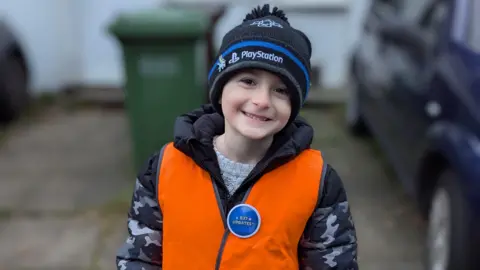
x: 256, y: 104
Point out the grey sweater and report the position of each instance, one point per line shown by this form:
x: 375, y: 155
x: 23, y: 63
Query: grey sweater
x: 233, y: 173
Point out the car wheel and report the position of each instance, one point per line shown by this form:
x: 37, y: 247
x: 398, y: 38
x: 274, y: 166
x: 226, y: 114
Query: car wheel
x: 448, y: 227
x: 13, y: 89
x: 354, y: 119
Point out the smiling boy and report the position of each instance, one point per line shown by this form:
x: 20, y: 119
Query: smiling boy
x: 240, y: 187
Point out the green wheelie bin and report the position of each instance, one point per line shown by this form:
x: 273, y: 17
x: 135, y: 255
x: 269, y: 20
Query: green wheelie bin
x: 164, y: 57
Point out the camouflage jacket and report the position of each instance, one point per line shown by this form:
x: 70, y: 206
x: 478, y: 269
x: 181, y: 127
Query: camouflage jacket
x: 329, y: 239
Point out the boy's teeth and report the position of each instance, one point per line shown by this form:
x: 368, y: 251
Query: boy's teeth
x: 256, y: 117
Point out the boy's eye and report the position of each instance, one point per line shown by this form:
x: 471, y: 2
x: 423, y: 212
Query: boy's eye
x: 247, y: 81
x: 282, y: 91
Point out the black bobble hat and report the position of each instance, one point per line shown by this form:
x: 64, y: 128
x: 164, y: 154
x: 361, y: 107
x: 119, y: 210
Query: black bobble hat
x: 265, y: 40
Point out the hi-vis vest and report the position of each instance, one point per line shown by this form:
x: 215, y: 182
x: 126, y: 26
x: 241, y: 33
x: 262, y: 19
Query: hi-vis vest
x: 196, y: 234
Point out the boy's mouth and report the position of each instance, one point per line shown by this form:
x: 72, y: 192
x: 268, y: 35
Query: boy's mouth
x: 256, y: 117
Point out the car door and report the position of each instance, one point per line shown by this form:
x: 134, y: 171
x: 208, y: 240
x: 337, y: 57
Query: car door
x: 409, y: 99
x: 374, y: 72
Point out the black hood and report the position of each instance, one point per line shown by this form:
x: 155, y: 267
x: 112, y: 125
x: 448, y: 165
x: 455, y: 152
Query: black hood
x: 194, y: 133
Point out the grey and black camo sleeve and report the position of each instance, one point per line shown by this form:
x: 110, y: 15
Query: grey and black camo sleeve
x: 329, y: 240
x: 143, y: 248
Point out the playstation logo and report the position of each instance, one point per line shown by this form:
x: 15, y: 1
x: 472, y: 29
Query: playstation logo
x: 234, y: 58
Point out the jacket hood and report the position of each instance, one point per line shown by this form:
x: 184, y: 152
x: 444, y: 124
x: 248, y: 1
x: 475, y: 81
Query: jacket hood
x: 194, y: 132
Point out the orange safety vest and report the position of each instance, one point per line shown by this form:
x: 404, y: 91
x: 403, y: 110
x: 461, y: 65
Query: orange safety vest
x: 195, y: 236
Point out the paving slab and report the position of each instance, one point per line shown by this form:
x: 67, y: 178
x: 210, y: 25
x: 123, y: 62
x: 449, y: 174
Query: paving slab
x: 47, y: 243
x: 65, y: 161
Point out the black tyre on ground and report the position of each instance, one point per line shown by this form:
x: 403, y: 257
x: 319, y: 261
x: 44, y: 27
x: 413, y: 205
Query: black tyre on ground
x: 353, y: 115
x: 449, y: 234
x: 14, y: 94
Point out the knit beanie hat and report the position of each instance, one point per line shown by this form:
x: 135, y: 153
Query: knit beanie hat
x: 265, y: 40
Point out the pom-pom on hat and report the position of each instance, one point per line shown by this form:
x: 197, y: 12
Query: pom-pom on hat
x: 265, y: 40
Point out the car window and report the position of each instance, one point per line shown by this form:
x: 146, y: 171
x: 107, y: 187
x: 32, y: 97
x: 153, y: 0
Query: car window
x: 381, y: 11
x: 434, y: 15
x: 392, y: 3
x: 433, y: 19
x: 386, y: 7
x: 474, y: 26
x: 411, y: 10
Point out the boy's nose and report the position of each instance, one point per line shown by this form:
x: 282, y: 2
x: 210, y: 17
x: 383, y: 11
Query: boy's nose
x: 261, y: 98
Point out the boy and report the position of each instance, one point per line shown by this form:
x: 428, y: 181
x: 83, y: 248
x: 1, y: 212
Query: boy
x: 240, y: 188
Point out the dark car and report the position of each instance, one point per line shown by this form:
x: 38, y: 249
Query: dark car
x: 415, y: 86
x: 14, y: 94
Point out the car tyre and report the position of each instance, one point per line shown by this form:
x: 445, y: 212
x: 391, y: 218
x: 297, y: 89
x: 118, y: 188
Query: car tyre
x: 14, y: 94
x: 448, y: 231
x: 353, y: 115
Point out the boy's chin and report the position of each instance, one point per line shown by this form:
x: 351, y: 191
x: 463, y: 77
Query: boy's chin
x: 256, y: 135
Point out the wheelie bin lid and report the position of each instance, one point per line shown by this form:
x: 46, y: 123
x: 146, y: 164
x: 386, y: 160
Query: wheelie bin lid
x: 168, y: 22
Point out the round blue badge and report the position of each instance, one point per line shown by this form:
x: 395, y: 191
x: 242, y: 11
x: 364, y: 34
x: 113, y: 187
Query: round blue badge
x: 243, y: 221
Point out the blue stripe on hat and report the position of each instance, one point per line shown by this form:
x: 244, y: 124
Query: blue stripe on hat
x: 267, y: 45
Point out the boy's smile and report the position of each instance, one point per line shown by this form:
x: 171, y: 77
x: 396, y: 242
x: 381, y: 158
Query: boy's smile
x: 256, y: 117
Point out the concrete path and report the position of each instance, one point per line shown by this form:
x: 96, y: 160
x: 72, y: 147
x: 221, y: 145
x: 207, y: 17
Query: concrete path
x: 65, y: 183
x: 62, y: 183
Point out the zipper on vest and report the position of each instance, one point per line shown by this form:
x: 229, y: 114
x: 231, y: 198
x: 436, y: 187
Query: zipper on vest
x: 223, y: 213
x: 222, y: 208
x: 220, y: 203
x: 220, y: 250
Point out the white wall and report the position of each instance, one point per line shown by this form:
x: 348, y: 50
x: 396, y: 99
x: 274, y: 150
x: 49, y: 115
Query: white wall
x: 328, y: 35
x: 102, y: 59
